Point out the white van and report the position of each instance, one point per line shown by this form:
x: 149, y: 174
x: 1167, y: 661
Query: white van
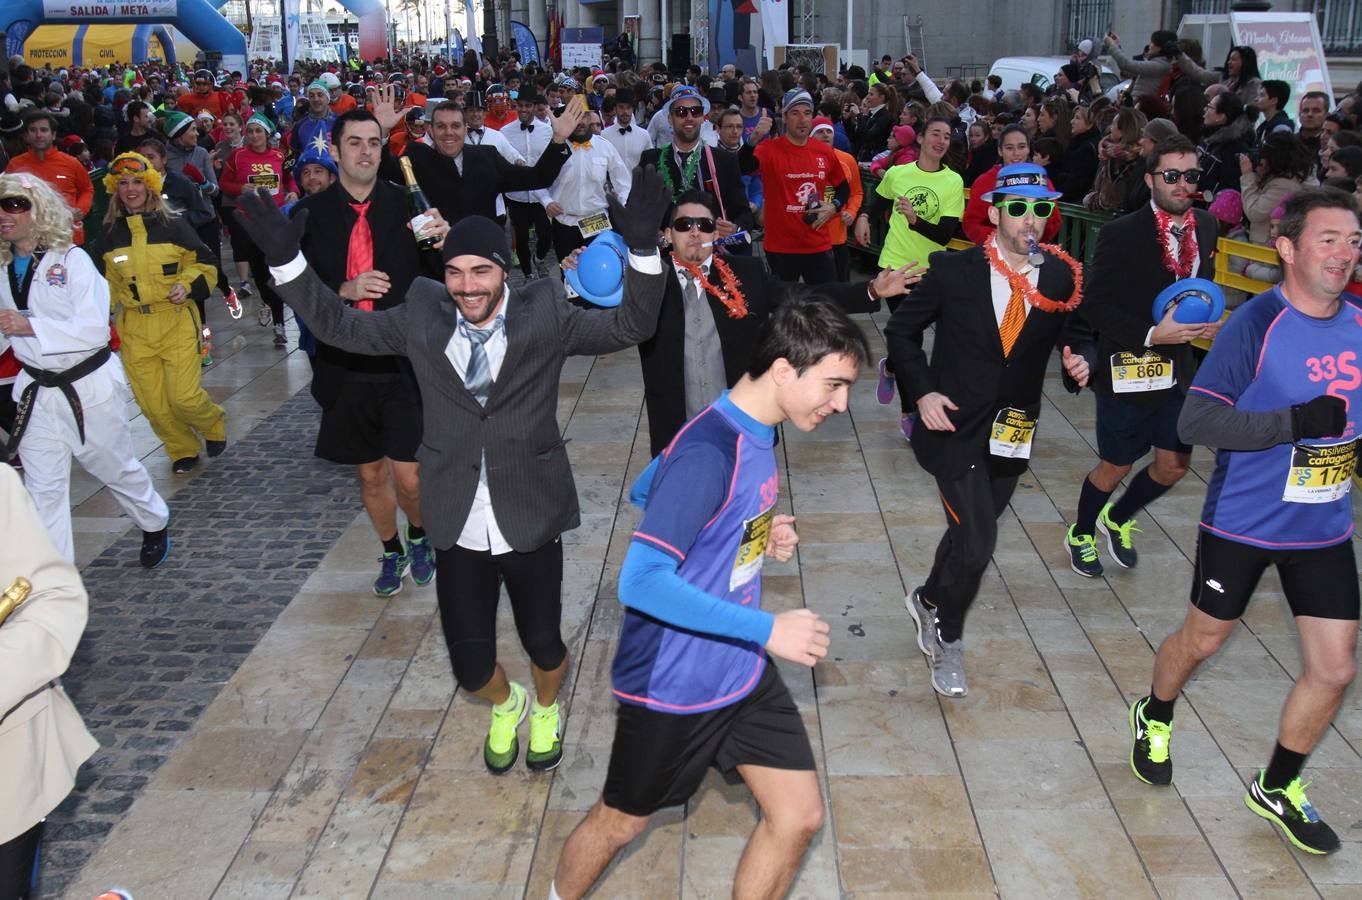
x: 1040, y: 71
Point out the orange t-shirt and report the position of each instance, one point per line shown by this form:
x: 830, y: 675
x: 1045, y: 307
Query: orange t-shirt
x: 344, y: 104
x: 63, y: 172
x: 836, y: 228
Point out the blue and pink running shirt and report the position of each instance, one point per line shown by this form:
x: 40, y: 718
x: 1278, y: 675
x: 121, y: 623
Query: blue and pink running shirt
x: 710, y: 506
x: 1271, y: 356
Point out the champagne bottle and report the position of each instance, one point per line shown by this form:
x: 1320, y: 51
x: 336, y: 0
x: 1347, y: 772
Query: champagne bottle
x: 16, y: 594
x: 419, y: 204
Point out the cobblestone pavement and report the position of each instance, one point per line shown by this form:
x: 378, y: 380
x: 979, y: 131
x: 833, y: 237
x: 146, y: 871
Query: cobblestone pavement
x: 246, y: 533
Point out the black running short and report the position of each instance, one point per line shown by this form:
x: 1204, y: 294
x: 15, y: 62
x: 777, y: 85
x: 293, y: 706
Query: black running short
x: 659, y: 759
x: 371, y: 418
x: 1320, y: 582
x: 1126, y: 430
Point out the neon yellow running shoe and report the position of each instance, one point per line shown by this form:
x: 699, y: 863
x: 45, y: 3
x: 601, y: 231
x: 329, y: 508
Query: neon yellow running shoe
x: 501, y: 748
x: 546, y: 742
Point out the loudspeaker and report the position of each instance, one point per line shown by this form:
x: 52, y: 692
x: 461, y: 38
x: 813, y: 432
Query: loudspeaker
x: 680, y: 55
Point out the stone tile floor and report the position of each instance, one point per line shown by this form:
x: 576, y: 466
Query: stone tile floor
x: 330, y: 755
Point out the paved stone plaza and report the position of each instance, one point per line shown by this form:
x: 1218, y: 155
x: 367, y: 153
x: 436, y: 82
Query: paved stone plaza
x: 271, y: 729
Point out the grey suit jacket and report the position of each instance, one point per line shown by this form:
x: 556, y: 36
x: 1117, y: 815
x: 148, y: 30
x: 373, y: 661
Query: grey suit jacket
x: 528, y: 475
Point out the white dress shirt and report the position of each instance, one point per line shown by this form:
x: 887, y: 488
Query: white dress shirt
x: 580, y: 186
x: 631, y: 145
x: 1001, y: 290
x: 480, y: 529
x: 531, y: 145
x: 490, y: 137
x: 1171, y: 241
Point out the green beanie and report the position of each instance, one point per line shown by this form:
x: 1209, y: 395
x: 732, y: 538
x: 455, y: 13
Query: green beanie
x: 259, y: 118
x: 175, y: 123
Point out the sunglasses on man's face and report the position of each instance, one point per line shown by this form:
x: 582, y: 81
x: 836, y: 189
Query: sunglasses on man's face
x: 1041, y: 209
x: 1171, y: 176
x: 15, y: 204
x: 686, y: 223
x: 693, y: 112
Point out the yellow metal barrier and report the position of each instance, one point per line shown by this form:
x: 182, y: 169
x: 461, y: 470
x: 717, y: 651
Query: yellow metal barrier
x: 1225, y: 277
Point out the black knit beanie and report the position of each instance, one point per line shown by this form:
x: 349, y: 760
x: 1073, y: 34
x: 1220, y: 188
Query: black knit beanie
x: 478, y: 236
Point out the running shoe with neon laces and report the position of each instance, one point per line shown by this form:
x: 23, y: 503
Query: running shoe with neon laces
x: 546, y: 743
x: 502, y: 746
x: 1083, y: 557
x: 1290, y: 811
x: 1149, y: 758
x: 422, y: 557
x: 924, y: 617
x: 1120, y: 538
x: 884, y: 388
x: 389, y: 580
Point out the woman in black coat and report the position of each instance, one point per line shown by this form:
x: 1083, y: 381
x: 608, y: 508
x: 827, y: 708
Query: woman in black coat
x: 1228, y: 133
x: 1079, y: 168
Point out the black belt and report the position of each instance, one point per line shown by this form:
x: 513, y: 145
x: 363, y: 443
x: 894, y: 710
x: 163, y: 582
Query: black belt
x: 65, y: 381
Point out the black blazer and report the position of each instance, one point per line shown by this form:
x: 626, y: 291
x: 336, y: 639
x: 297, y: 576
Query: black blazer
x: 872, y: 134
x: 724, y: 181
x: 325, y: 245
x: 967, y: 363
x: 1120, y: 285
x: 663, y: 355
x: 485, y: 175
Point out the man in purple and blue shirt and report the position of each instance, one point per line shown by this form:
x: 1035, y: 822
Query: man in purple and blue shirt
x: 1276, y: 397
x: 691, y: 674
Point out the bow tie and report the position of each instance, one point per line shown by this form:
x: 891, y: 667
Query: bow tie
x: 583, y: 145
x: 527, y: 128
x: 625, y: 129
x: 477, y: 131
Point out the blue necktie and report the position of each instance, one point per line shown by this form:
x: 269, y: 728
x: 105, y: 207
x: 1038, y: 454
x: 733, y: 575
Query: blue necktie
x: 478, y: 376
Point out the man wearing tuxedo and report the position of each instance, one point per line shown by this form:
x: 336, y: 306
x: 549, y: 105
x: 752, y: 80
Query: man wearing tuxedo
x: 998, y: 317
x: 712, y: 312
x: 1137, y: 256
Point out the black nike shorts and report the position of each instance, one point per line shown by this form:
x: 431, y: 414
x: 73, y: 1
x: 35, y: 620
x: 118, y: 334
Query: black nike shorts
x: 1320, y: 582
x: 373, y: 417
x: 659, y: 759
x: 1126, y: 429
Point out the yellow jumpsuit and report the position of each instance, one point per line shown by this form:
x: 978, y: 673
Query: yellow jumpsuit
x: 142, y: 258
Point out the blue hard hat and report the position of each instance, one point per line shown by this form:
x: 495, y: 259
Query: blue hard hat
x: 599, y: 276
x: 1195, y: 301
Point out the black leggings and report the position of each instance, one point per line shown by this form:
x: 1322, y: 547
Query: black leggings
x: 468, y: 585
x: 254, y: 256
x: 19, y: 864
x: 972, y: 503
x: 523, y: 215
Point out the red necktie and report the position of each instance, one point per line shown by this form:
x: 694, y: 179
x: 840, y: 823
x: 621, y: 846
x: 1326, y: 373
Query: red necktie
x: 360, y: 255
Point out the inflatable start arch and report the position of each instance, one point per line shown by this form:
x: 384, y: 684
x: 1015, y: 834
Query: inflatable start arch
x: 198, y: 19
x: 63, y: 46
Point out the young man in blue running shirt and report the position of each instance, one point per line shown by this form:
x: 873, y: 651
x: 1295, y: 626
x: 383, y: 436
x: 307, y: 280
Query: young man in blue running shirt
x: 1275, y: 397
x: 691, y: 674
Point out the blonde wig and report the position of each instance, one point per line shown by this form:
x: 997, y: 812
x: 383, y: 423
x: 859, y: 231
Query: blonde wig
x: 51, y: 216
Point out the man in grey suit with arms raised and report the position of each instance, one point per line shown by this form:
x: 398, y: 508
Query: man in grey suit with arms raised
x: 496, y: 486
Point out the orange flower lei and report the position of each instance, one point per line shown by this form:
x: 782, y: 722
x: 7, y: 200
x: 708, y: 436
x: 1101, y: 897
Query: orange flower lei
x: 1021, y: 282
x: 729, y: 296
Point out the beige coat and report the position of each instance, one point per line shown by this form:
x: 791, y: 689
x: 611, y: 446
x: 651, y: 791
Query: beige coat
x: 42, y: 739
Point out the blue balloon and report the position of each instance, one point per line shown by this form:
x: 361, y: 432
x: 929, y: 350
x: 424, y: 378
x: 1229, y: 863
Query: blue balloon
x: 1195, y: 301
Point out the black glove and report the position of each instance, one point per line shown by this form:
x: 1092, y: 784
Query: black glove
x: 637, y: 220
x: 1324, y: 416
x: 273, y: 232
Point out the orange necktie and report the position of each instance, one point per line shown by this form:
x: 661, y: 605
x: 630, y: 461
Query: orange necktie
x: 1014, y: 317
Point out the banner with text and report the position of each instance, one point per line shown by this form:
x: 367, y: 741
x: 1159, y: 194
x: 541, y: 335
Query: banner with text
x: 151, y: 10
x: 1288, y: 48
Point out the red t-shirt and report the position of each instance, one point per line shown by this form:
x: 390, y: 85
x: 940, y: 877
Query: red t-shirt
x: 791, y: 176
